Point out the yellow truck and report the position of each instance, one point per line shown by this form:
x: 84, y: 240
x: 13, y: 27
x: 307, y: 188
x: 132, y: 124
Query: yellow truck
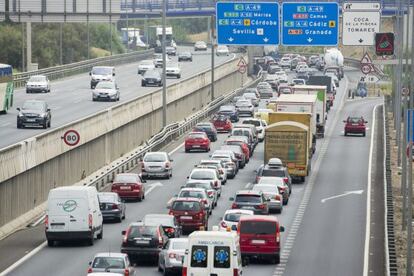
x: 289, y: 141
x: 303, y: 118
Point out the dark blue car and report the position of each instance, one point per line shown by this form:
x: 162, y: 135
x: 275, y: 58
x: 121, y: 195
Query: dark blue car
x: 230, y: 111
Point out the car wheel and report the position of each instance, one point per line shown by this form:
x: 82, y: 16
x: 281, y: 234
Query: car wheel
x: 19, y: 125
x: 49, y: 124
x: 178, y: 76
x: 100, y: 235
x: 93, y: 99
x: 277, y: 259
x: 91, y: 240
x: 45, y: 124
x: 143, y: 84
x: 363, y: 134
x: 139, y: 198
x: 345, y: 133
x: 123, y: 217
x: 50, y: 243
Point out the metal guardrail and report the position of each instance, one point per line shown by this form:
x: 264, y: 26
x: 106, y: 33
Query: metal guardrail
x: 166, y: 135
x: 66, y: 70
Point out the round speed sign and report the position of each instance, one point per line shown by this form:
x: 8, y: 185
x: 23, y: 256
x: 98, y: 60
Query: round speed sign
x: 71, y: 137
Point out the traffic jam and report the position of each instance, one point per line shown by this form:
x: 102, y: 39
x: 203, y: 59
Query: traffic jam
x: 286, y: 112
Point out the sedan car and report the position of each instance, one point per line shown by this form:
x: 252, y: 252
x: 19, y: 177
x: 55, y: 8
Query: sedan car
x: 208, y: 175
x: 112, y: 262
x: 112, y: 207
x: 185, y: 56
x: 158, y: 60
x: 168, y: 223
x: 145, y: 65
x: 129, y: 185
x: 156, y: 164
x: 34, y: 113
x: 355, y: 125
x: 231, y: 219
x: 171, y: 51
x: 173, y: 70
x: 38, y: 83
x: 151, y: 77
x: 222, y: 50
x: 208, y: 128
x: 197, y: 141
x: 171, y: 257
x: 200, y: 46
x: 106, y: 90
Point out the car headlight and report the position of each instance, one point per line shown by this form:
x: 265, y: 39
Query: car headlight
x: 20, y: 115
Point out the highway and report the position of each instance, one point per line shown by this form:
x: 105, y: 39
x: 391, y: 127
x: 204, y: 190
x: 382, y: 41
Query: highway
x: 71, y: 98
x: 320, y: 239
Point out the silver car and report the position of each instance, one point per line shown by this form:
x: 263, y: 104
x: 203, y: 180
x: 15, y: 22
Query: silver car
x: 111, y: 262
x: 198, y: 193
x: 156, y: 164
x: 106, y: 90
x: 170, y: 259
x: 219, y: 165
x: 245, y: 106
x: 112, y: 206
x: 211, y: 192
x: 272, y: 195
x: 38, y: 83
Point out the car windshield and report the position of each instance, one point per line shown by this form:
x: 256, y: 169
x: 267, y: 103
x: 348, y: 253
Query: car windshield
x: 277, y: 173
x: 258, y: 227
x: 202, y: 175
x: 37, y: 79
x: 240, y: 132
x: 125, y: 178
x: 186, y: 206
x: 179, y: 245
x: 249, y: 198
x: 108, y: 262
x: 102, y: 71
x: 105, y: 85
x: 155, y: 157
x: 142, y: 231
x: 196, y: 136
x: 355, y: 120
x: 252, y: 122
x: 32, y: 105
x: 106, y: 198
x: 195, y: 194
x: 233, y: 217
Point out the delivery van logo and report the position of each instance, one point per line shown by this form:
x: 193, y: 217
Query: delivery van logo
x: 70, y: 205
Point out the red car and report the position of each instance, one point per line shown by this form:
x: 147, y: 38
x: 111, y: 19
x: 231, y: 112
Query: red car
x: 129, y: 185
x: 190, y: 213
x: 355, y: 125
x: 222, y: 123
x: 260, y: 237
x: 244, y: 146
x: 197, y: 141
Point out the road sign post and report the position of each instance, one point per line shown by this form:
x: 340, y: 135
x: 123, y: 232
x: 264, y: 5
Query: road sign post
x: 360, y: 23
x: 310, y: 24
x: 244, y: 23
x: 71, y: 137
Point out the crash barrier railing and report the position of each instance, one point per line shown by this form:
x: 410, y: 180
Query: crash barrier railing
x: 66, y: 70
x: 165, y: 136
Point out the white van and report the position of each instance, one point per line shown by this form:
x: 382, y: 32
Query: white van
x: 212, y: 253
x: 73, y: 213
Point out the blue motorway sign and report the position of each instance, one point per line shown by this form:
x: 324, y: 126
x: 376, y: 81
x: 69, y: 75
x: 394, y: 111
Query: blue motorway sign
x: 244, y: 23
x: 310, y: 24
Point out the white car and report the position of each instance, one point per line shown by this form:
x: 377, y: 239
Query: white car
x: 231, y: 219
x: 285, y: 62
x: 173, y: 70
x: 252, y: 97
x: 219, y: 165
x: 158, y: 60
x: 38, y: 83
x: 281, y: 76
x: 245, y: 106
x: 207, y: 175
x: 302, y: 68
x: 200, y: 46
x: 222, y: 50
x: 106, y: 90
x: 145, y: 65
x: 260, y: 126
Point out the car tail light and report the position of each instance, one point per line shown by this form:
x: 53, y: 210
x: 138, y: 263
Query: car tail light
x: 234, y: 205
x: 47, y: 222
x: 172, y: 256
x: 221, y: 171
x: 205, y: 201
x: 171, y: 213
x: 257, y: 179
x: 135, y: 187
x: 261, y: 206
x: 125, y: 238
x: 235, y: 272
x: 210, y: 193
x: 170, y: 230
x: 286, y: 180
x: 277, y: 197
x: 90, y: 270
x: 115, y: 207
x: 223, y: 224
x: 216, y: 183
x: 184, y: 271
x: 278, y: 237
x: 90, y: 221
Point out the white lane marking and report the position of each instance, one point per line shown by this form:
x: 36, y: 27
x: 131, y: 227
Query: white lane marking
x: 22, y: 260
x: 152, y: 187
x: 177, y: 148
x: 40, y: 220
x: 248, y: 185
x: 280, y: 269
x: 368, y: 215
x: 357, y: 192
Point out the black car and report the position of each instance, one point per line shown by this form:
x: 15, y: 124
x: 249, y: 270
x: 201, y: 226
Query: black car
x: 151, y: 77
x: 208, y: 128
x: 112, y: 206
x: 171, y: 51
x: 230, y: 111
x: 168, y: 222
x: 34, y: 113
x: 143, y: 241
x: 185, y: 56
x: 274, y: 171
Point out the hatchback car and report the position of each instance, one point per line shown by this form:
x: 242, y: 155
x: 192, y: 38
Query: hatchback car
x: 265, y: 92
x: 34, y: 113
x: 171, y: 51
x: 185, y: 56
x: 355, y: 125
x: 199, y: 193
x: 39, y: 83
x: 222, y: 50
x: 260, y: 127
x: 231, y: 111
x: 272, y: 195
x: 151, y: 77
x: 251, y: 200
x: 260, y: 237
x: 208, y: 128
x: 197, y: 141
x: 245, y: 107
x: 168, y: 223
x: 112, y: 206
x: 229, y: 164
x: 106, y: 90
x: 142, y: 240
x: 190, y: 214
x: 112, y: 262
x: 242, y: 142
x: 238, y: 152
x: 129, y: 185
x: 173, y: 70
x: 200, y: 46
x: 222, y: 123
x: 171, y: 257
x: 156, y: 164
x: 231, y: 219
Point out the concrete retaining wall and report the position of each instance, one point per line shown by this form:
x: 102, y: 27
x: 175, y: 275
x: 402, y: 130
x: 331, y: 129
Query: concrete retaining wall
x: 30, y: 169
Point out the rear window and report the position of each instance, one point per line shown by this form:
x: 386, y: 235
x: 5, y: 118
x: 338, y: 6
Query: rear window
x: 122, y: 178
x: 199, y: 254
x: 258, y: 227
x: 108, y: 262
x: 240, y: 132
x: 251, y: 122
x: 191, y: 194
x: 197, y: 136
x: 221, y: 257
x: 202, y: 175
x: 186, y: 206
x: 142, y: 231
x: 198, y: 185
x: 233, y: 217
x: 107, y: 198
x: 249, y: 198
x: 155, y: 157
x: 276, y: 173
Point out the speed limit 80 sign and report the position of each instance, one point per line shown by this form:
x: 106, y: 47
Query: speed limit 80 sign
x: 71, y: 137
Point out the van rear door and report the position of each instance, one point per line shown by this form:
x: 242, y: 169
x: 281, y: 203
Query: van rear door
x: 221, y: 260
x: 199, y: 261
x: 259, y: 237
x: 68, y: 214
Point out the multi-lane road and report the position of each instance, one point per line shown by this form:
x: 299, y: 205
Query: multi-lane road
x: 325, y: 227
x: 71, y: 98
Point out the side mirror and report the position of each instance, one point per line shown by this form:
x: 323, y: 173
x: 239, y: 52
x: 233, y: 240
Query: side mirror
x: 90, y: 263
x: 113, y: 74
x: 171, y: 160
x: 123, y: 232
x: 48, y: 110
x: 188, y: 177
x: 231, y: 198
x: 90, y: 73
x: 366, y: 122
x: 282, y: 229
x: 143, y: 180
x: 18, y: 109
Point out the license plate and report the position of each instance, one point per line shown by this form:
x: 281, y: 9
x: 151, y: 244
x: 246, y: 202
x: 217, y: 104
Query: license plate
x: 125, y: 188
x: 258, y: 242
x: 196, y: 146
x: 31, y: 120
x: 57, y: 227
x: 186, y: 217
x: 247, y: 207
x: 142, y: 242
x: 150, y: 82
